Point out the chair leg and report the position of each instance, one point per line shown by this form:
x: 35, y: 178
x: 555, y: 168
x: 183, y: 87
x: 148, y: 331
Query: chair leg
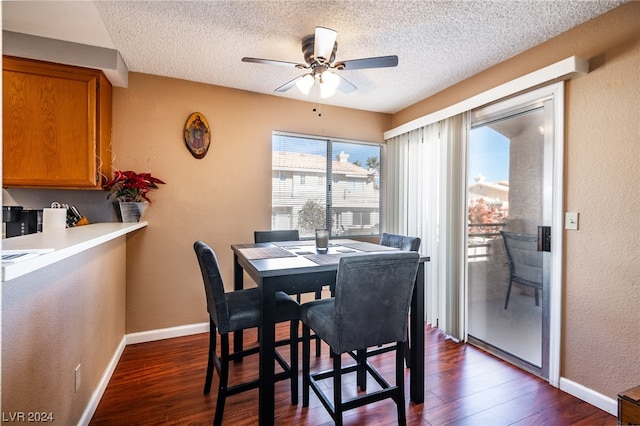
x: 224, y: 378
x: 506, y: 302
x: 402, y: 416
x: 293, y: 337
x: 361, y: 374
x: 318, y: 342
x: 407, y: 351
x: 337, y: 389
x: 306, y: 348
x: 212, y: 354
x: 407, y: 354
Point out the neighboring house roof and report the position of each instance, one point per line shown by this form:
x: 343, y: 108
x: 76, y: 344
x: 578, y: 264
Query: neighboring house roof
x: 302, y: 162
x: 489, y: 191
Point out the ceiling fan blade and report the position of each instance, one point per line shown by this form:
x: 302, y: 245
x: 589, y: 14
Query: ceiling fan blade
x: 359, y: 64
x: 288, y: 85
x: 325, y: 38
x: 346, y: 86
x: 273, y: 62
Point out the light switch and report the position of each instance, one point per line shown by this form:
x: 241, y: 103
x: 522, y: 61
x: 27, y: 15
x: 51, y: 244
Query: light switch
x: 571, y: 221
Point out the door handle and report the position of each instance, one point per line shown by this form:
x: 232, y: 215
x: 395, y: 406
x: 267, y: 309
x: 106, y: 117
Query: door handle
x: 544, y: 238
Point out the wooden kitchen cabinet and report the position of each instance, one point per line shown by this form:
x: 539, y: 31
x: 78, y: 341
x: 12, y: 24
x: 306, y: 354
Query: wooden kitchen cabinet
x: 56, y: 125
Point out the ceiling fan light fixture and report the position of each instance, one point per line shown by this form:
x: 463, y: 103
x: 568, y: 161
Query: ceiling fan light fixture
x: 305, y: 83
x: 330, y: 79
x: 326, y: 91
x: 319, y: 50
x: 329, y: 82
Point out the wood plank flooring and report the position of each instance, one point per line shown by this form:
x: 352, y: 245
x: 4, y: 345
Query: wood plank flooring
x: 160, y: 383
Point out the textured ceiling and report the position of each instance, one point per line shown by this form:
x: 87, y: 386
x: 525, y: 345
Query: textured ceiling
x: 438, y: 43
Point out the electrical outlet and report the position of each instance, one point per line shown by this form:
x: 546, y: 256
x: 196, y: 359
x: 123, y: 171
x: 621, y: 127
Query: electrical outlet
x: 571, y: 221
x: 77, y: 377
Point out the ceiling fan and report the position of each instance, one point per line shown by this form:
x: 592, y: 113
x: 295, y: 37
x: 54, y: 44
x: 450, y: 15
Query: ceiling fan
x: 319, y: 51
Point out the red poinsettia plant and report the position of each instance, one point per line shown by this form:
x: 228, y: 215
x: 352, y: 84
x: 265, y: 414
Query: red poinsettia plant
x: 131, y: 186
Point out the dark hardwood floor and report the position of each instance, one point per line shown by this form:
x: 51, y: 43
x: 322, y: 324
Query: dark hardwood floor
x: 160, y: 383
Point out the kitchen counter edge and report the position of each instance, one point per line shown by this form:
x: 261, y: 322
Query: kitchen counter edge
x: 64, y: 242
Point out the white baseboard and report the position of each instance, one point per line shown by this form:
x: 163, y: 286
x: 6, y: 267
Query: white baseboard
x: 92, y: 405
x: 590, y: 396
x: 130, y: 339
x: 167, y: 333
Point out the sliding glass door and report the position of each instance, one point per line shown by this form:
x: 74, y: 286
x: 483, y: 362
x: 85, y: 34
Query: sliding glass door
x: 509, y: 194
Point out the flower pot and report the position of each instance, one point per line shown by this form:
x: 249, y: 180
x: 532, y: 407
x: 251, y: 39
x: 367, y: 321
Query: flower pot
x: 130, y: 211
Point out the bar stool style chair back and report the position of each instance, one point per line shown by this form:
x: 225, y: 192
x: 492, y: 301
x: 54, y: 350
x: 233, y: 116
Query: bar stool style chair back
x: 400, y: 241
x: 370, y: 308
x: 524, y: 260
x: 405, y: 243
x: 234, y: 311
x: 284, y: 235
x: 276, y: 235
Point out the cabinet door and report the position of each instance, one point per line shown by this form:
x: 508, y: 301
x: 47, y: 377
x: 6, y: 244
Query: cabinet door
x: 50, y: 125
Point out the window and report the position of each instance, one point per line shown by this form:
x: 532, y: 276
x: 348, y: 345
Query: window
x: 344, y: 196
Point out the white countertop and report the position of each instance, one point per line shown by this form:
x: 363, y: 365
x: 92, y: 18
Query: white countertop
x: 64, y: 242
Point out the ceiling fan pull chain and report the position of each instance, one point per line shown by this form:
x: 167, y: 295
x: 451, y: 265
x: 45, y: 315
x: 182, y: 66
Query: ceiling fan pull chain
x: 316, y: 109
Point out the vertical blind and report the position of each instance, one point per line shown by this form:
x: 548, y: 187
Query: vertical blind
x: 425, y: 195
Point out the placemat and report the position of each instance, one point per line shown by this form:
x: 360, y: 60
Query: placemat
x: 265, y: 253
x: 325, y: 259
x: 331, y: 259
x: 364, y: 246
x: 295, y: 244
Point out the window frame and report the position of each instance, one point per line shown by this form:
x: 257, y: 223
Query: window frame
x: 330, y: 180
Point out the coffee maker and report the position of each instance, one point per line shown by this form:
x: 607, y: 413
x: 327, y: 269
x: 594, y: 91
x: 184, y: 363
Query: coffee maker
x: 18, y: 221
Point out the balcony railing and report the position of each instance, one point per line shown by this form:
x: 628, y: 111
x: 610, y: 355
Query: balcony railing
x: 479, y: 238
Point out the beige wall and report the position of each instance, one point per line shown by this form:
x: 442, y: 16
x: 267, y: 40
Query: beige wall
x: 220, y: 199
x: 69, y: 313
x: 601, y: 286
x: 602, y: 261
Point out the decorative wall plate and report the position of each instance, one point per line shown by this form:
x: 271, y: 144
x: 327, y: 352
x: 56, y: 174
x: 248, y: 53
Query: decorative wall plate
x: 197, y: 135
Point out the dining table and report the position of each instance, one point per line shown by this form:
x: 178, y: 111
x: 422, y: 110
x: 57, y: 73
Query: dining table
x: 297, y: 267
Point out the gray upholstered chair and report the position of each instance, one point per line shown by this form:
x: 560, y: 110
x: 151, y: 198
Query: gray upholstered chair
x: 370, y: 308
x: 240, y: 310
x: 276, y: 235
x: 400, y: 241
x: 405, y: 243
x: 524, y: 260
x: 279, y: 235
